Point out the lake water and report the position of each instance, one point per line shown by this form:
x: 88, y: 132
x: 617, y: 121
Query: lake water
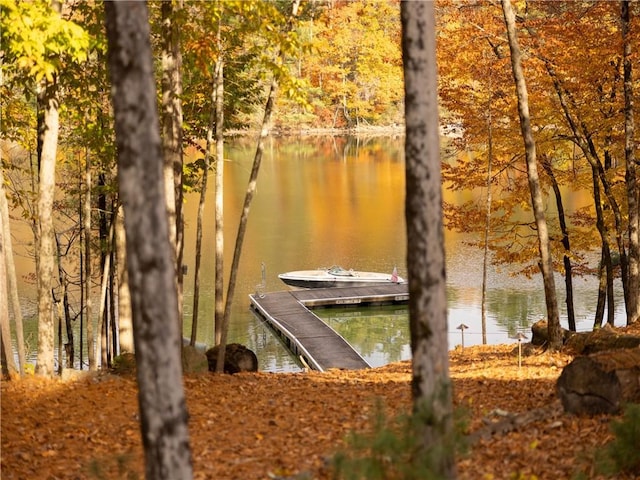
x: 325, y: 201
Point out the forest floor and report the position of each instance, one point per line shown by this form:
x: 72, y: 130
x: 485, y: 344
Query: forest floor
x: 288, y: 425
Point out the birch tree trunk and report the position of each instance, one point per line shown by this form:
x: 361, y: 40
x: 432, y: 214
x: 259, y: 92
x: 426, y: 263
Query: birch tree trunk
x: 12, y: 284
x: 150, y: 255
x: 172, y: 134
x: 88, y: 268
x: 633, y: 192
x: 125, y: 322
x: 219, y: 186
x: 431, y: 386
x: 48, y: 133
x: 546, y: 265
x: 8, y: 363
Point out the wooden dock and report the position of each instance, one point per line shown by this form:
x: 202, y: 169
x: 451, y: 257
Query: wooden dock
x: 307, y: 336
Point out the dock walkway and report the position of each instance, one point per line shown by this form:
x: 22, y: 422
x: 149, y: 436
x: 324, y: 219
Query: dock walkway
x: 307, y: 336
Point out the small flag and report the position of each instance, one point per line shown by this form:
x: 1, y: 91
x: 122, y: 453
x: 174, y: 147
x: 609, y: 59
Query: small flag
x: 394, y: 275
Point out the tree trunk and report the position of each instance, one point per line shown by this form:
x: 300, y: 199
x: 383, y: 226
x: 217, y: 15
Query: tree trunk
x: 125, y: 322
x: 431, y: 386
x: 12, y: 284
x: 8, y: 364
x: 172, y: 133
x: 605, y: 259
x: 251, y: 189
x: 200, y: 217
x: 605, y: 286
x: 150, y: 254
x: 219, y: 186
x: 546, y: 263
x: 88, y: 268
x: 64, y: 312
x: 48, y: 131
x: 103, y: 316
x: 633, y: 192
x: 568, y: 280
x: 487, y: 222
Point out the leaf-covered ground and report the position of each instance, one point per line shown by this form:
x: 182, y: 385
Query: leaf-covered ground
x: 260, y: 426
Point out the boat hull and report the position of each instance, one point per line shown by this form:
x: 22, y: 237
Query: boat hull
x: 325, y: 279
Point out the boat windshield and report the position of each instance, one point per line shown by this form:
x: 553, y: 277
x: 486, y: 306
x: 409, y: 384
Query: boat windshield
x: 339, y: 271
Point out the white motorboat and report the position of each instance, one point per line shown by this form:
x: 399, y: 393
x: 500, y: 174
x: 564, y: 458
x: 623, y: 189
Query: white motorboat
x: 337, y: 276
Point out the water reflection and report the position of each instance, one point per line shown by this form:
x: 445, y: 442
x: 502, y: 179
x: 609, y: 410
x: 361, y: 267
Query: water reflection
x: 379, y: 334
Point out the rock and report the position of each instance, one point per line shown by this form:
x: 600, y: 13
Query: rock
x: 238, y: 358
x: 602, y: 339
x: 600, y: 383
x: 70, y: 374
x: 194, y: 360
x: 586, y: 389
x: 539, y: 336
x: 585, y: 343
x: 124, y: 364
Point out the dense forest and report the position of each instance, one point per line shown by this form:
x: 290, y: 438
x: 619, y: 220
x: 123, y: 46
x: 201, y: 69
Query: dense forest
x: 338, y: 69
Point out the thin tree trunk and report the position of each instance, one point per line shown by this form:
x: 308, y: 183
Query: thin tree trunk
x: 12, y: 284
x: 103, y: 312
x: 150, y: 254
x: 633, y: 191
x: 219, y: 186
x: 487, y: 224
x: 431, y: 385
x: 172, y: 133
x: 251, y: 188
x: 605, y: 258
x: 88, y: 273
x: 215, y: 91
x: 605, y: 288
x: 8, y: 364
x: 64, y: 311
x: 568, y: 278
x: 125, y: 322
x: 546, y: 264
x: 45, y: 245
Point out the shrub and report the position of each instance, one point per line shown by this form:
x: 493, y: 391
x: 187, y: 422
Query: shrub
x: 391, y: 450
x: 622, y: 453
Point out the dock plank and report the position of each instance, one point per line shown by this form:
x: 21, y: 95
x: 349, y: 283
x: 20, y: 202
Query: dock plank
x: 288, y: 313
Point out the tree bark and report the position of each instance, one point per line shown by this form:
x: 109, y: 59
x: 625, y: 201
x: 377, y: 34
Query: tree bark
x: 150, y: 255
x: 633, y: 192
x: 12, y: 284
x: 487, y: 222
x: 125, y: 322
x: 48, y: 130
x: 172, y: 133
x: 219, y: 186
x: 566, y: 244
x: 8, y: 364
x: 431, y: 386
x: 200, y: 217
x: 546, y: 263
x: 88, y: 267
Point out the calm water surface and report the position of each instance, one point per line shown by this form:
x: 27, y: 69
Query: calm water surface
x: 340, y: 201
x: 326, y: 201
